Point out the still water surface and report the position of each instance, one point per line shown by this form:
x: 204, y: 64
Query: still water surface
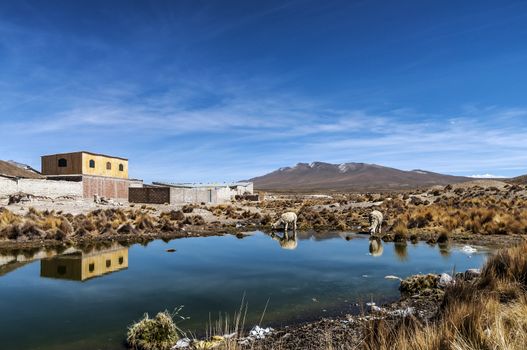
x: 85, y: 299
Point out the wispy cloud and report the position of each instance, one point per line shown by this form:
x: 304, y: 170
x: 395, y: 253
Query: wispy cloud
x: 242, y: 135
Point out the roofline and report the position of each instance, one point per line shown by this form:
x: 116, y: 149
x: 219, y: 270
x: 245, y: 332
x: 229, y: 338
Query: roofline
x: 93, y: 154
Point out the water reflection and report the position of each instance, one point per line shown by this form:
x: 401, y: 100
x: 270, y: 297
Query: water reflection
x: 444, y: 249
x: 286, y: 241
x: 347, y: 236
x: 401, y: 251
x: 10, y: 260
x: 375, y: 247
x: 83, y: 265
x: 212, y: 274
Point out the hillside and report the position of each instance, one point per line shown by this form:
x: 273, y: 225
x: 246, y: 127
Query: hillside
x: 519, y: 180
x: 349, y: 176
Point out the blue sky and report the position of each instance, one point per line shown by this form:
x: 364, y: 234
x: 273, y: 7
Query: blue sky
x: 226, y: 90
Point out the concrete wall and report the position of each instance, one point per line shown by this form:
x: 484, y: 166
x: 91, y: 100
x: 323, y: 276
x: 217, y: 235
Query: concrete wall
x: 136, y: 183
x: 214, y: 195
x: 192, y: 195
x: 38, y: 187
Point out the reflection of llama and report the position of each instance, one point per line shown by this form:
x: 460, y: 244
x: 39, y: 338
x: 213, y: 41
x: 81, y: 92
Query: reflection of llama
x: 376, y: 218
x: 286, y: 219
x: 285, y: 241
x: 376, y: 248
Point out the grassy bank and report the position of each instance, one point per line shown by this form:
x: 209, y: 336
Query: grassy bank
x: 434, y: 215
x: 487, y: 313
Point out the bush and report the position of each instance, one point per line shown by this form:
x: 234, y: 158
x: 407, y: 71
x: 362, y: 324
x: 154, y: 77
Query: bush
x: 158, y: 333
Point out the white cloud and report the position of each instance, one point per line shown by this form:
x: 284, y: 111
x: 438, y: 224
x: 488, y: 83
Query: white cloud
x: 487, y: 176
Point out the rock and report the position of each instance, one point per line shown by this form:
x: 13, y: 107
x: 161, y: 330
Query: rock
x: 376, y: 308
x: 419, y: 284
x: 182, y: 344
x: 468, y: 249
x: 392, y: 277
x: 468, y: 275
x: 445, y: 280
x: 403, y: 312
x: 259, y: 333
x: 19, y: 197
x: 472, y: 273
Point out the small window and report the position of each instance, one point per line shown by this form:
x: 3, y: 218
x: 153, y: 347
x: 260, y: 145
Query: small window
x: 63, y: 163
x: 92, y: 163
x: 108, y: 263
x: 61, y: 270
x: 108, y: 166
x: 121, y: 260
x: 121, y: 167
x: 91, y: 267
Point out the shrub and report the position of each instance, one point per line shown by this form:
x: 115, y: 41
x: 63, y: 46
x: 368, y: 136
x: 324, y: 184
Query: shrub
x: 400, y: 232
x: 158, y: 333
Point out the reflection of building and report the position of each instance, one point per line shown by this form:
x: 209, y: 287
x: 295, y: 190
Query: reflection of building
x: 80, y: 266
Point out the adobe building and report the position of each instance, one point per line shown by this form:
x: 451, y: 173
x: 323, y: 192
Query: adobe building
x: 102, y: 175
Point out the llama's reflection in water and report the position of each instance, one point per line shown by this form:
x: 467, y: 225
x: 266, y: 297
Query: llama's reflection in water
x: 286, y: 240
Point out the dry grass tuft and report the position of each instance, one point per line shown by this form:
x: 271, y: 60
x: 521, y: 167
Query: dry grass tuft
x: 487, y: 313
x: 158, y: 333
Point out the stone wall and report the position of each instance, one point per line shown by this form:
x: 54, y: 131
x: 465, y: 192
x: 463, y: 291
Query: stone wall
x: 40, y: 187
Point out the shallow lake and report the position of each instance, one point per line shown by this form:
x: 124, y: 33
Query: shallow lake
x: 86, y: 298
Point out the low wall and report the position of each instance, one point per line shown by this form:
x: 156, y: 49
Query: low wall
x: 7, y: 186
x: 40, y: 187
x: 151, y: 195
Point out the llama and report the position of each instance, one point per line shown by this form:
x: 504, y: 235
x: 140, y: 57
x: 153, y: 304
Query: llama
x: 376, y: 218
x: 286, y: 219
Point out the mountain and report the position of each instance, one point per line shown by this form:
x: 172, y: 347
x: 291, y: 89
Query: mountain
x: 519, y: 180
x: 349, y: 176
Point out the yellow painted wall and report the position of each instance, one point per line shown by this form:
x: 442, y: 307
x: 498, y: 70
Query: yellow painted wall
x: 100, y: 166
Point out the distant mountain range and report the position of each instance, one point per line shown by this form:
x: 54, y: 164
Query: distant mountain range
x: 349, y: 176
